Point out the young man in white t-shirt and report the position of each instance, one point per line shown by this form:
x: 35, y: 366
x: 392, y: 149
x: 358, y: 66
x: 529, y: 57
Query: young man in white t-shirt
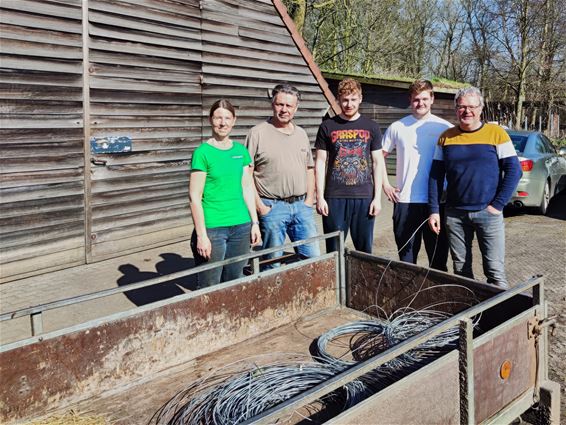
x: 415, y: 137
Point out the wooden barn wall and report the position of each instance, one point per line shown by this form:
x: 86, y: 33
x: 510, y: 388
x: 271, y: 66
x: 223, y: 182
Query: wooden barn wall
x: 42, y: 216
x: 145, y: 60
x: 247, y: 50
x: 146, y: 69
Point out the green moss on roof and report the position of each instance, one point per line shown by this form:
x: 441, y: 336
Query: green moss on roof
x: 440, y: 84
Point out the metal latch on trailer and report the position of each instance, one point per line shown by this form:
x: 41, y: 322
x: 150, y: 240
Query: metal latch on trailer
x: 535, y: 326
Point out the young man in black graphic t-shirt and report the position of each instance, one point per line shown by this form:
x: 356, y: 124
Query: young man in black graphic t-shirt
x: 349, y: 170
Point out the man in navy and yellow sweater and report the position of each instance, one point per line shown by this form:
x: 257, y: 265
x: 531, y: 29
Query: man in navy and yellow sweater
x: 482, y: 171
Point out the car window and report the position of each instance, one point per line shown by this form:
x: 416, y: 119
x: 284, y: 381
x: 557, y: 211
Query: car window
x: 539, y: 147
x: 548, y: 144
x: 519, y: 142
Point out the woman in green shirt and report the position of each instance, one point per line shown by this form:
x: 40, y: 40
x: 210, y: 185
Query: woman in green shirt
x: 222, y: 199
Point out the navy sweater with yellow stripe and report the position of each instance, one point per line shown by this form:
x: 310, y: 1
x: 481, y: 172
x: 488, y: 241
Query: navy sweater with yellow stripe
x: 481, y: 168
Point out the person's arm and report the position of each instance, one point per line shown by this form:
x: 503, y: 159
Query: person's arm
x: 378, y: 165
x: 391, y: 192
x: 260, y: 207
x: 309, y: 198
x: 251, y: 145
x: 320, y: 179
x: 435, y: 187
x: 196, y: 188
x: 249, y: 191
x: 511, y: 168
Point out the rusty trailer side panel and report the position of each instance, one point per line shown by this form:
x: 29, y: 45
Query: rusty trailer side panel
x: 431, y: 395
x: 58, y: 371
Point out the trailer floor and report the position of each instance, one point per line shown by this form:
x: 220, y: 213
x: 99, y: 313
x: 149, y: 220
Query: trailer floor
x: 137, y: 404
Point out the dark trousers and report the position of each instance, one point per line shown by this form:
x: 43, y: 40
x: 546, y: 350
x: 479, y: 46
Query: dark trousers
x: 227, y: 242
x: 407, y: 217
x: 348, y: 214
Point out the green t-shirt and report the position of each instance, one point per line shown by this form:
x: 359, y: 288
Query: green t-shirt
x: 222, y: 199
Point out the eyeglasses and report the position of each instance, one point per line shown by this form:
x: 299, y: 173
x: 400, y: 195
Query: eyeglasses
x: 462, y: 108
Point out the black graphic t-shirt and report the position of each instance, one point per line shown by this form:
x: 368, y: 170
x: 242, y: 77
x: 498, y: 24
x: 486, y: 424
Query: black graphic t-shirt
x: 349, y: 145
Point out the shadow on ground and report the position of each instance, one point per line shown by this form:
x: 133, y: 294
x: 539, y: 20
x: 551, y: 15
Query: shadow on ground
x: 170, y: 263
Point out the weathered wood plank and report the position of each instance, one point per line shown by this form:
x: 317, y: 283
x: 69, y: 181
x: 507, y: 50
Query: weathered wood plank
x: 44, y: 107
x: 30, y: 64
x: 225, y: 39
x: 44, y: 205
x: 44, y: 135
x: 149, y: 110
x: 41, y: 79
x: 22, y: 150
x: 41, y: 22
x: 137, y: 194
x: 183, y: 17
x: 162, y: 29
x: 100, y: 187
x: 210, y: 70
x: 143, y: 85
x: 13, y: 32
x: 41, y: 121
x: 40, y: 191
x: 100, y: 96
x: 34, y: 49
x: 39, y: 93
x: 136, y: 218
x: 44, y: 8
x: 131, y: 244
x: 126, y: 59
x: 51, y: 162
x: 102, y: 121
x: 193, y: 43
x: 144, y: 73
x: 143, y: 49
x: 31, y: 221
x: 148, y: 227
x: 41, y: 235
x: 140, y: 170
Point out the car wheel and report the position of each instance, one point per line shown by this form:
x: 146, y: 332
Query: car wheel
x: 543, y: 207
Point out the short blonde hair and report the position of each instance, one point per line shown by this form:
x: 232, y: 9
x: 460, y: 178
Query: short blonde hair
x: 348, y: 86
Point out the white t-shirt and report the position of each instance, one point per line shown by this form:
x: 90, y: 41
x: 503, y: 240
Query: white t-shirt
x: 415, y: 141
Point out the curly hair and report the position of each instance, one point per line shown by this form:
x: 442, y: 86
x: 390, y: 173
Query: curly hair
x: 348, y: 86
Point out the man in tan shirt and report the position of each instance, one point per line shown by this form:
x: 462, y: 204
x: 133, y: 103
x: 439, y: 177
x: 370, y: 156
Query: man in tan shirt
x: 283, y: 169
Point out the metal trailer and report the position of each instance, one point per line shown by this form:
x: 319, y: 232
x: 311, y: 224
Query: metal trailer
x: 125, y: 366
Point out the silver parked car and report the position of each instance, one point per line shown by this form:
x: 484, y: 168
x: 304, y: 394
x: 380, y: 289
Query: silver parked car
x: 544, y: 170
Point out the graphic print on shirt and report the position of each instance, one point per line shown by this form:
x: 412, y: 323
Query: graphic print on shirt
x: 351, y: 165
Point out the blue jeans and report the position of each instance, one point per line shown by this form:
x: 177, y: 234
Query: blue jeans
x: 293, y: 219
x: 349, y: 214
x: 227, y: 242
x: 407, y: 217
x: 490, y: 229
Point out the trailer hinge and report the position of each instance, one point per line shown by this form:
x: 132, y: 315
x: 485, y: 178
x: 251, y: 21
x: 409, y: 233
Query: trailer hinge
x: 535, y: 326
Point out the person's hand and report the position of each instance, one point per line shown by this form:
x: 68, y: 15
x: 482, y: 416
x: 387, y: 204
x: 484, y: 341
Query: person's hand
x: 322, y: 206
x: 309, y: 202
x: 263, y: 209
x: 204, y: 247
x: 391, y: 192
x: 434, y: 223
x: 374, y: 207
x: 493, y: 210
x: 255, y: 235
